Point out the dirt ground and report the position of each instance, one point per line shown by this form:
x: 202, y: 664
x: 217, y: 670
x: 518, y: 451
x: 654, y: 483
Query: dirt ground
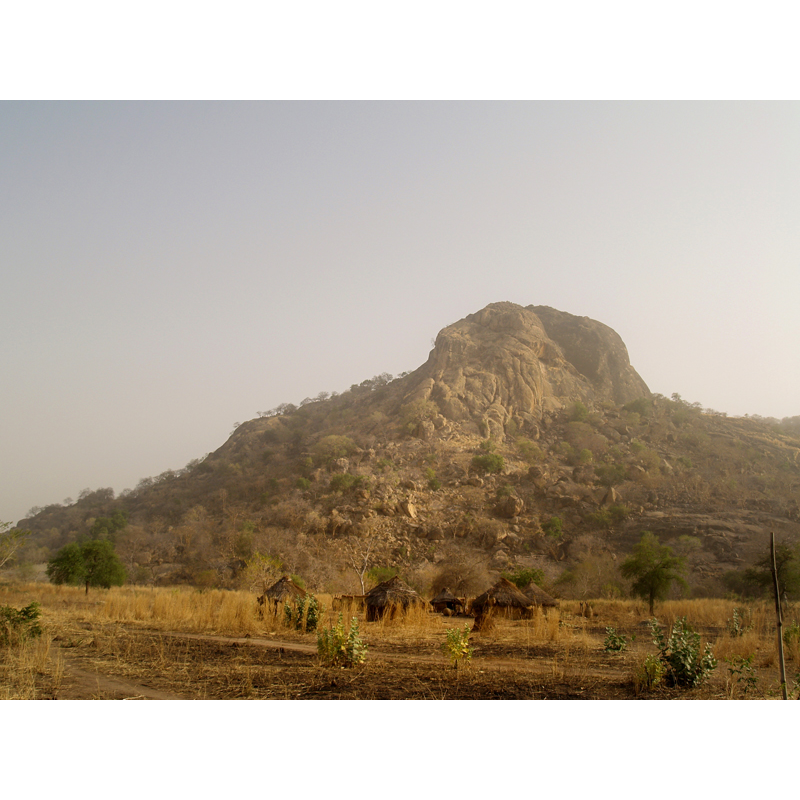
x: 120, y: 663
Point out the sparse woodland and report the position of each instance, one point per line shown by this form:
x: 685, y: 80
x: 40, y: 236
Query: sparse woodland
x: 571, y: 502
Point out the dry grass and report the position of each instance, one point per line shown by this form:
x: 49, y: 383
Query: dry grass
x: 27, y: 671
x: 122, y: 627
x: 213, y: 611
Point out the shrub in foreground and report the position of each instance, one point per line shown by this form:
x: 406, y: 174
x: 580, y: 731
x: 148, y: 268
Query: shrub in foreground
x: 684, y: 665
x: 339, y: 648
x: 457, y: 646
x: 615, y: 642
x: 304, y: 615
x: 19, y: 624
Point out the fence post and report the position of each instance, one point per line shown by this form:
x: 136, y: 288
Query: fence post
x: 779, y: 617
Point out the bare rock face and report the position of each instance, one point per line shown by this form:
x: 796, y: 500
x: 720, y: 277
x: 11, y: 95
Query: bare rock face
x: 408, y: 508
x: 511, y: 362
x: 509, y: 507
x: 596, y: 352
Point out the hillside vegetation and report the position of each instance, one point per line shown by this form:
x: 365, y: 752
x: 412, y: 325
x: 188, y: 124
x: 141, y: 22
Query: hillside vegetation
x: 526, y: 441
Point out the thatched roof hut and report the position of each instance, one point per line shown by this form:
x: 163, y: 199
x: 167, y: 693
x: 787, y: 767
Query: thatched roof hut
x: 283, y: 591
x: 504, y: 598
x: 539, y: 596
x: 390, y: 597
x: 446, y: 600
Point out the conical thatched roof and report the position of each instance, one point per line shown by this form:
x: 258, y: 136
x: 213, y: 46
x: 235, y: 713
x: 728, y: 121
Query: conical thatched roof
x: 539, y: 595
x: 504, y: 594
x: 284, y: 589
x: 446, y: 596
x: 392, y: 592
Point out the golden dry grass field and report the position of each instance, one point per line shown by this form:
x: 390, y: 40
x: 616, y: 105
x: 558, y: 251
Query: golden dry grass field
x: 187, y: 644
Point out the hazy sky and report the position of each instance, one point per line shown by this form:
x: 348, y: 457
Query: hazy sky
x: 169, y: 269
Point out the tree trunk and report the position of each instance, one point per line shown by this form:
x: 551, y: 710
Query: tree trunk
x: 87, y: 587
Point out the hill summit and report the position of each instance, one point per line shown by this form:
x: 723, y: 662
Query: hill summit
x: 508, y: 362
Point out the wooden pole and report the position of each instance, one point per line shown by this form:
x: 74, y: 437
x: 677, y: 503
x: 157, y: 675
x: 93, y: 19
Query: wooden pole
x: 779, y: 617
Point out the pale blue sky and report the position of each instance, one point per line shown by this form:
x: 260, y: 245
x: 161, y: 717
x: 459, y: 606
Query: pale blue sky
x: 169, y: 269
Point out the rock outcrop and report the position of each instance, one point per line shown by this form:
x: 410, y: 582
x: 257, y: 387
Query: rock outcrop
x: 597, y: 353
x: 509, y: 362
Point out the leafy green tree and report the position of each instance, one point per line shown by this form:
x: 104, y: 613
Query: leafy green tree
x: 67, y: 565
x: 332, y: 447
x: 653, y: 568
x: 91, y: 563
x: 107, y: 527
x: 787, y: 563
x: 522, y: 577
x: 378, y: 575
x: 756, y: 581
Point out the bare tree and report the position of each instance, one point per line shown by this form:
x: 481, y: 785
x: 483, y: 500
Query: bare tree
x: 10, y: 541
x: 358, y: 556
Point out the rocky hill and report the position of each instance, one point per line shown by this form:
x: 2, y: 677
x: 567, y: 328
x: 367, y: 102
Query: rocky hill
x: 526, y: 441
x: 512, y: 364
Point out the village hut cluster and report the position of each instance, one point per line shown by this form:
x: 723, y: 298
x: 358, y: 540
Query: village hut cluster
x: 393, y: 597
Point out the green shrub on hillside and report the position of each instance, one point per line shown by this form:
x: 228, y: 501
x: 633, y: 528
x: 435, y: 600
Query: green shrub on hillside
x: 608, y: 517
x: 489, y: 463
x: 553, y: 527
x: 329, y: 448
x: 434, y: 484
x: 529, y: 451
x: 610, y: 474
x: 412, y: 414
x: 344, y: 482
x: 574, y: 456
x: 578, y: 412
x: 641, y: 406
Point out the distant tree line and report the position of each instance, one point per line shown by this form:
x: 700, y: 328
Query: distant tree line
x: 365, y: 386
